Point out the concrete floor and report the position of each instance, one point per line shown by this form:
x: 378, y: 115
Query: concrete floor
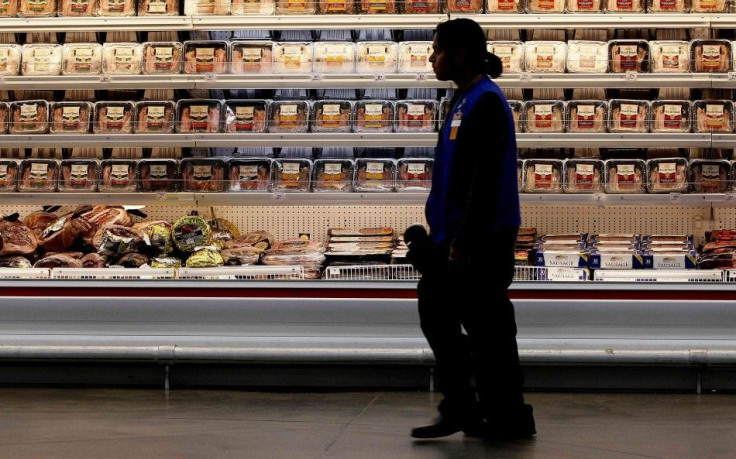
x: 111, y: 423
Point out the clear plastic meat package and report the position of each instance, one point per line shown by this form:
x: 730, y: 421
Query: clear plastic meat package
x: 543, y: 176
x: 70, y: 117
x: 199, y: 115
x: 333, y: 174
x: 669, y: 56
x: 586, y: 115
x: 252, y: 7
x: 79, y: 175
x: 251, y: 56
x: 628, y: 56
x: 377, y: 57
x: 667, y: 175
x: 710, y: 175
x: 113, y: 117
x: 249, y: 174
x: 77, y: 8
x: 625, y: 176
x: 292, y: 174
x: 332, y: 116
x: 206, y: 7
x: 334, y: 57
x: 162, y: 58
x: 205, y: 56
x: 545, y: 6
x: 155, y: 117
x: 8, y: 175
x: 414, y: 174
x: 583, y: 175
x: 10, y: 58
x: 544, y: 116
x: 289, y: 116
x: 511, y: 54
x: 246, y: 115
x: 29, y: 117
x: 374, y: 174
x: 670, y: 116
x: 158, y: 175
x: 82, y: 58
x: 118, y: 175
x: 416, y: 115
x: 628, y: 115
x: 292, y: 57
x: 545, y: 56
x: 710, y: 56
x: 203, y: 174
x: 296, y: 7
x: 587, y: 56
x: 122, y: 58
x: 41, y: 59
x: 414, y: 57
x: 713, y: 116
x: 38, y: 175
x: 374, y: 116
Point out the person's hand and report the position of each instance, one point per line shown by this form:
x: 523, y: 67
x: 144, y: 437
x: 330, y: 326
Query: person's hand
x: 458, y: 257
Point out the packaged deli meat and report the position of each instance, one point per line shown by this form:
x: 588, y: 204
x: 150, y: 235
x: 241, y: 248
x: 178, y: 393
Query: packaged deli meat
x: 8, y: 175
x: 159, y: 236
x: 587, y: 56
x: 420, y: 7
x: 667, y: 175
x: 545, y: 6
x: 587, y: 115
x: 517, y: 110
x: 332, y: 116
x: 335, y: 7
x: 4, y: 117
x: 628, y: 55
x: 158, y: 8
x: 710, y: 175
x: 414, y: 174
x: 708, y: 6
x: 669, y: 56
x: 710, y: 55
x: 624, y: 6
x: 671, y: 116
x: 38, y: 221
x: 38, y: 175
x: 41, y: 59
x: 334, y: 57
x: 37, y: 8
x: 583, y: 176
x: 504, y: 6
x: 82, y: 58
x: 29, y: 117
x: 416, y: 115
x: 122, y: 58
x: 10, y: 56
x: 374, y: 116
x: 203, y: 174
x: 118, y: 175
x: 9, y: 8
x: 191, y: 232
x: 70, y: 117
x: 205, y: 56
x: 158, y: 174
x: 16, y: 238
x: 585, y: 6
x: 162, y: 58
x: 246, y: 115
x: 77, y: 7
x: 520, y: 174
x: 625, y: 176
x: 116, y: 8
x: 544, y: 116
x: 291, y: 174
x: 289, y: 116
x: 249, y: 174
x: 414, y: 57
x: 154, y: 117
x: 333, y: 174
x: 712, y: 116
x: 543, y: 176
x: 511, y: 54
x: 377, y: 57
x: 198, y: 115
x: 296, y: 7
x: 58, y: 260
x: 668, y: 6
x: 292, y: 57
x: 251, y: 56
x: 113, y: 118
x: 374, y: 174
x: 376, y: 6
x: 206, y: 7
x: 628, y: 115
x: 545, y: 56
x: 79, y: 175
x: 247, y: 7
x: 463, y: 6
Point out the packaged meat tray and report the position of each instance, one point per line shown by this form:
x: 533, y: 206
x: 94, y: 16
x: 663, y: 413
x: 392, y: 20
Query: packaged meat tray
x: 624, y: 6
x: 360, y: 232
x: 334, y: 57
x: 70, y: 117
x: 246, y: 115
x: 38, y: 175
x: 377, y: 57
x: 628, y: 115
x: 116, y: 8
x: 520, y: 173
x: 585, y: 6
x: 668, y: 6
x: 543, y: 176
x: 374, y: 174
x: 289, y: 116
x: 333, y: 174
x: 162, y: 58
x: 118, y: 175
x: 206, y: 7
x: 416, y: 115
x: 583, y: 176
x: 4, y: 114
x: 710, y: 175
x: 158, y: 8
x: 544, y: 116
x: 586, y: 115
x: 511, y: 54
x: 414, y: 174
x: 79, y: 175
x: 154, y: 117
x: 463, y: 6
x: 712, y: 116
x: 122, y: 58
x: 82, y: 58
x: 198, y: 115
x: 41, y: 59
x: 292, y: 57
x: 335, y: 7
x: 332, y: 116
x: 414, y: 57
x: 113, y: 118
x: 628, y: 55
x: 29, y: 117
x: 374, y: 116
x: 296, y: 7
x: 669, y: 56
x: 37, y: 8
x: 291, y: 174
x: 619, y: 259
x: 708, y: 6
x: 251, y: 56
x: 420, y: 7
x: 561, y: 258
x: 248, y: 7
x: 77, y: 8
x: 545, y: 56
x: 671, y: 116
x: 517, y: 110
x: 545, y: 6
x: 158, y: 174
x: 8, y: 175
x: 8, y: 8
x: 587, y: 56
x: 667, y: 175
x: 504, y: 6
x: 205, y: 56
x: 376, y: 6
x: 251, y: 174
x: 625, y: 176
x: 203, y: 174
x: 710, y: 56
x: 10, y: 59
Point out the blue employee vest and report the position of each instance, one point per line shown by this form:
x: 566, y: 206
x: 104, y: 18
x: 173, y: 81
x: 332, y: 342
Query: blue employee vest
x: 442, y: 218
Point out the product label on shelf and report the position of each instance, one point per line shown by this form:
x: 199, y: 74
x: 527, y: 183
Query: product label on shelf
x: 588, y: 56
x: 4, y: 54
x: 288, y: 115
x: 708, y: 4
x: 377, y: 5
x: 79, y: 175
x: 244, y: 118
x: 248, y: 173
x: 625, y: 5
x: 119, y: 174
x: 116, y: 6
x: 37, y: 6
x: 672, y: 116
x: 82, y: 59
x: 114, y: 117
x: 415, y: 115
x: 714, y: 118
x: 377, y: 54
x: 543, y: 116
x: 204, y: 59
x: 200, y: 173
x: 70, y: 118
x: 41, y: 60
x: 506, y: 5
x: 336, y: 54
x: 293, y: 56
x: 710, y: 180
x: 626, y: 174
x: 79, y: 6
x: 157, y: 6
x: 419, y: 6
x: 163, y: 57
x: 331, y: 115
x: 671, y: 56
x: 628, y: 56
x: 29, y: 113
x: 336, y: 6
x: 155, y: 117
x: 584, y: 5
x: 39, y: 175
x: 586, y: 116
x: 584, y: 175
x: 547, y: 5
x: 415, y: 171
x: 123, y: 58
x: 290, y: 171
x: 198, y: 118
x: 542, y: 176
x: 711, y: 57
x: 333, y: 171
x: 668, y: 5
x: 373, y: 115
x: 667, y: 172
x: 374, y: 171
x: 205, y: 6
x: 629, y: 115
x: 419, y: 55
x: 565, y: 274
x: 545, y: 56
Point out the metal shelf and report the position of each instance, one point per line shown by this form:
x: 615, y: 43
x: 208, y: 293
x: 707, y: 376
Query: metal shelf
x: 317, y: 81
x: 95, y: 24
x: 610, y: 80
x: 113, y: 199
x: 99, y: 81
x: 347, y: 21
x: 97, y: 140
x: 311, y: 199
x: 317, y: 139
x: 724, y: 140
x: 593, y: 21
x: 608, y: 140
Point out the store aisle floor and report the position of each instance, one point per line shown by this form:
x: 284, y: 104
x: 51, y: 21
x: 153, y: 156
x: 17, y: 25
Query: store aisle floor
x: 81, y: 423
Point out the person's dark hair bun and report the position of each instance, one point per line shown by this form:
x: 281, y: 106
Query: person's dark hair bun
x: 494, y: 66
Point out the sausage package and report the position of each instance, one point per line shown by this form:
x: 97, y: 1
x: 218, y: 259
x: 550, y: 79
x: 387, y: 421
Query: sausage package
x: 710, y: 56
x: 206, y: 7
x: 669, y: 56
x: 289, y: 116
x: 37, y: 8
x: 545, y: 116
x: 377, y: 57
x: 38, y: 175
x: 543, y: 176
x: 374, y: 174
x: 545, y: 6
x: 420, y: 7
x: 10, y: 56
x: 41, y: 59
x: 29, y: 117
x: 628, y: 55
x: 248, y: 7
x: 667, y: 175
x: 296, y: 7
x: 154, y: 117
x: 628, y: 115
x: 332, y: 116
x: 414, y: 57
x: 205, y: 56
x: 158, y: 174
x: 203, y: 174
x: 249, y: 174
x: 625, y: 176
x: 377, y: 6
x: 545, y: 56
x: 113, y: 118
x: 586, y: 115
x: 708, y: 6
x: 587, y: 56
x: 292, y: 57
x: 198, y: 115
x: 710, y: 175
x: 671, y: 115
x: 116, y: 8
x: 334, y: 57
x: 517, y: 111
x: 82, y: 58
x: 8, y: 175
x: 624, y: 6
x: 246, y: 115
x: 333, y: 174
x: 374, y: 116
x: 122, y: 58
x: 251, y: 56
x: 463, y: 6
x: 162, y: 58
x: 291, y: 174
x: 511, y: 54
x: 70, y: 117
x: 585, y: 6
x: 4, y: 117
x: 335, y: 7
x: 118, y: 175
x: 414, y: 174
x: 77, y: 8
x: 583, y: 176
x: 416, y: 115
x: 712, y: 116
x: 158, y: 8
x: 668, y: 6
x: 79, y: 175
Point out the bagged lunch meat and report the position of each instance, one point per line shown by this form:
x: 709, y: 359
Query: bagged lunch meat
x: 377, y: 57
x: 113, y: 118
x: 625, y: 176
x: 246, y: 115
x: 251, y: 56
x: 82, y: 58
x: 155, y: 117
x: 162, y: 58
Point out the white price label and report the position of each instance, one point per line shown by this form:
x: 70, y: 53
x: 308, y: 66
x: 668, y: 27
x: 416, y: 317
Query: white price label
x: 630, y: 75
x: 277, y: 196
x: 675, y: 197
x: 731, y: 76
x: 421, y: 77
x: 379, y: 77
x: 104, y: 78
x: 525, y: 76
x: 316, y: 77
x: 209, y: 76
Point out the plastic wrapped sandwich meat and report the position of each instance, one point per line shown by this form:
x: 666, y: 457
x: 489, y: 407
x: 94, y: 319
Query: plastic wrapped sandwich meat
x: 155, y: 117
x: 205, y: 56
x: 628, y: 115
x: 199, y: 115
x: 162, y: 58
x: 82, y: 58
x: 587, y: 56
x: 293, y: 57
x: 625, y: 176
x: 334, y: 57
x: 374, y: 174
x: 587, y: 116
x: 203, y: 174
x: 545, y: 116
x: 79, y: 175
x: 414, y: 57
x: 333, y: 174
x: 251, y: 56
x: 628, y: 55
x: 671, y: 116
x: 118, y: 175
x: 8, y: 175
x: 545, y: 56
x: 583, y: 176
x: 255, y: 7
x: 667, y: 175
x: 289, y: 116
x: 158, y: 174
x: 116, y: 8
x: 332, y: 116
x: 543, y: 176
x: 122, y: 58
x: 77, y: 7
x: 374, y: 116
x: 37, y: 8
x: 70, y: 117
x: 29, y: 117
x: 710, y: 175
x: 113, y: 118
x: 158, y: 8
x: 414, y: 174
x: 416, y: 115
x: 246, y: 115
x: 41, y: 59
x: 376, y: 57
x: 710, y: 56
x: 291, y: 174
x: 669, y: 56
x: 10, y: 56
x: 511, y: 54
x: 38, y: 175
x: 377, y: 6
x: 713, y: 116
x: 250, y: 174
x: 296, y: 6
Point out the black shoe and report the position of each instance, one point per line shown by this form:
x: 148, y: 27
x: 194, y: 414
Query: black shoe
x: 443, y: 428
x: 518, y: 426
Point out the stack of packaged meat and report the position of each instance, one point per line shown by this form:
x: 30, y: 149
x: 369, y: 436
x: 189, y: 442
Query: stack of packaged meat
x: 300, y: 252
x: 525, y: 240
x: 350, y: 246
x: 563, y: 254
x: 719, y: 250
